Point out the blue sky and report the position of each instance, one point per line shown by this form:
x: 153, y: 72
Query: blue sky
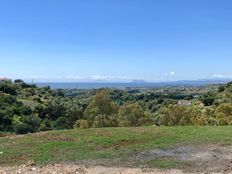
x: 115, y: 40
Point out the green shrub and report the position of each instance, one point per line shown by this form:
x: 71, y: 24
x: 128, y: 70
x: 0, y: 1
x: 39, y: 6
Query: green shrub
x: 208, y: 99
x: 81, y: 124
x: 23, y: 128
x: 131, y: 114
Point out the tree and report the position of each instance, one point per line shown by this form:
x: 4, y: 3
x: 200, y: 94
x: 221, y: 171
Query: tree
x: 173, y: 115
x: 18, y: 81
x: 131, y: 114
x: 23, y: 128
x: 81, y: 124
x: 105, y: 121
x: 221, y: 88
x: 74, y: 115
x: 32, y: 120
x: 54, y: 110
x: 60, y: 123
x: 229, y: 84
x: 101, y: 105
x: 208, y: 99
x: 224, y: 114
x: 45, y: 125
x: 8, y: 88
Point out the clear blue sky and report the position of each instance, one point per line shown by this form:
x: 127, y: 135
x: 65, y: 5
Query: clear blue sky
x: 115, y: 40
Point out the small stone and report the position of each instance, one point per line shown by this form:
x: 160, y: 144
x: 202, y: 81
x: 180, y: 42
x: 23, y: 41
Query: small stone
x: 19, y: 171
x: 80, y: 171
x: 33, y: 169
x: 30, y: 163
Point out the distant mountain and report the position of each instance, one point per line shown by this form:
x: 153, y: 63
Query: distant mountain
x: 220, y: 80
x: 199, y: 82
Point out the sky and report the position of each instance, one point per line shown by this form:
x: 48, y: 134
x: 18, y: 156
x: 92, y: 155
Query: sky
x: 115, y: 40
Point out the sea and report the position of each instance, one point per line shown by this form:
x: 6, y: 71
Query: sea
x: 59, y: 85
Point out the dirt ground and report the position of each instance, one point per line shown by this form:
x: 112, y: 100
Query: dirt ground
x: 75, y: 169
x: 205, y: 159
x: 196, y: 158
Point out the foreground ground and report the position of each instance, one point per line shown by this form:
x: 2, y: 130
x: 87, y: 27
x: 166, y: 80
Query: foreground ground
x: 119, y: 150
x: 76, y: 169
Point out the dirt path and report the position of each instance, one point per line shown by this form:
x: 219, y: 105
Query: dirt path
x: 75, y: 169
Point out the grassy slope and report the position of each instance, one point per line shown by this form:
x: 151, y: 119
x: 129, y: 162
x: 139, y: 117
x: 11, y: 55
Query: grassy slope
x: 105, y: 143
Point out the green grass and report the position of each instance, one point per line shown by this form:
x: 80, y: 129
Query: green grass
x: 165, y: 163
x: 105, y: 144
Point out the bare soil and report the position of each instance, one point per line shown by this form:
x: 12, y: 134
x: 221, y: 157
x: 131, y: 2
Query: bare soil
x: 195, y: 159
x: 75, y: 169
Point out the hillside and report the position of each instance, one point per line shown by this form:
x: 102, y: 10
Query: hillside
x: 191, y: 149
x: 26, y: 108
x: 135, y: 140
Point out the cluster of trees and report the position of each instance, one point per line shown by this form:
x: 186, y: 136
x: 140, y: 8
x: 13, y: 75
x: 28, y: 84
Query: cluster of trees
x: 27, y: 108
x: 216, y: 110
x: 174, y: 115
x: 102, y: 112
x: 14, y: 116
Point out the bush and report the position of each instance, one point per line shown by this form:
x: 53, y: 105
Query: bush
x: 131, y: 115
x: 105, y: 121
x: 81, y: 124
x: 228, y: 84
x: 146, y: 120
x: 32, y: 120
x: 221, y: 89
x: 8, y: 88
x: 208, y: 99
x: 173, y: 114
x: 23, y: 128
x: 45, y: 125
x: 101, y: 104
x: 224, y: 114
x: 60, y: 123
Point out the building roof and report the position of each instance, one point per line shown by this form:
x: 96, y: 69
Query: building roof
x: 4, y: 78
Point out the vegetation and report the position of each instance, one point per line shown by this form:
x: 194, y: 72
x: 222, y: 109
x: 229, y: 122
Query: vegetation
x: 107, y: 144
x: 27, y: 108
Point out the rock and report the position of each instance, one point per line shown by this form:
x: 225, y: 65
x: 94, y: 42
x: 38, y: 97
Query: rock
x: 80, y: 170
x: 19, y: 171
x: 30, y: 163
x: 33, y: 169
